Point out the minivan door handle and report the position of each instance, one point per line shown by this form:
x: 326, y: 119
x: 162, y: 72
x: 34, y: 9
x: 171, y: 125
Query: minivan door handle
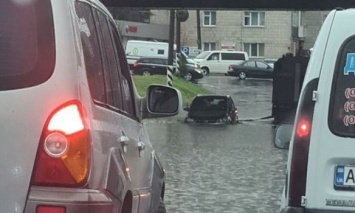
x: 141, y: 147
x: 123, y: 139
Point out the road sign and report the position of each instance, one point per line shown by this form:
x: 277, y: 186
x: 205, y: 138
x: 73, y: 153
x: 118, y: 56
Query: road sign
x: 186, y: 50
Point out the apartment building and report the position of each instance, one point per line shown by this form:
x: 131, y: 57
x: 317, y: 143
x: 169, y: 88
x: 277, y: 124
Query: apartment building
x: 263, y: 34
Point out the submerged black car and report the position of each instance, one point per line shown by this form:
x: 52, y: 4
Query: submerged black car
x: 212, y: 109
x: 251, y: 69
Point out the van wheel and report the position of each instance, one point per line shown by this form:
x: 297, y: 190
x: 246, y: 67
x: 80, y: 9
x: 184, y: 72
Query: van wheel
x: 161, y: 208
x: 188, y: 77
x: 242, y: 75
x: 205, y: 71
x: 146, y: 72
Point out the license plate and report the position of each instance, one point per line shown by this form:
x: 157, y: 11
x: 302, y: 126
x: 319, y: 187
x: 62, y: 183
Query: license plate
x: 344, y: 177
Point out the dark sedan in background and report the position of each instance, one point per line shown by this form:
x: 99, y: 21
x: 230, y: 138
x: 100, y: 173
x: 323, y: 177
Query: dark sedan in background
x: 156, y: 65
x: 251, y: 69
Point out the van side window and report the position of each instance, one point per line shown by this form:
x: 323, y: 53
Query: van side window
x: 233, y: 56
x: 110, y: 63
x: 125, y: 77
x: 91, y: 48
x: 341, y: 118
x: 160, y: 52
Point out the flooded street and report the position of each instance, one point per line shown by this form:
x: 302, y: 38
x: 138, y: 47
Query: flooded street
x: 223, y: 169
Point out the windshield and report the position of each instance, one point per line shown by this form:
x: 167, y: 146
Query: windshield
x: 202, y: 55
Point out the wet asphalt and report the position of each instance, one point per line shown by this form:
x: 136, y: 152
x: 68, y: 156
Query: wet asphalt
x: 223, y: 168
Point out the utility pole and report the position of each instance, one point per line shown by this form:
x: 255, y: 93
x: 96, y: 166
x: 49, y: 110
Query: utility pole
x: 171, y: 37
x: 178, y: 36
x: 199, y: 45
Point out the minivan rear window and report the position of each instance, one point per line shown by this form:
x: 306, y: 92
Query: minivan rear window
x: 26, y: 43
x: 342, y: 102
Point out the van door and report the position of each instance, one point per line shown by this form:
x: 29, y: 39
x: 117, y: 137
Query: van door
x: 213, y: 62
x: 140, y: 150
x: 100, y: 63
x: 331, y: 165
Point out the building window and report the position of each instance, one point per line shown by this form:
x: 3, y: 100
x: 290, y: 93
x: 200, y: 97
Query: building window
x: 254, y: 50
x: 209, y: 18
x: 296, y: 18
x: 209, y: 46
x: 254, y: 19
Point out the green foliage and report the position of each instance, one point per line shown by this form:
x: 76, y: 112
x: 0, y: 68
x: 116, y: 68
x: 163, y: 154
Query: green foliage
x: 188, y: 90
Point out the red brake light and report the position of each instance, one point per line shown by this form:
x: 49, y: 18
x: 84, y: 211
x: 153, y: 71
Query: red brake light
x: 50, y: 209
x: 67, y: 120
x: 64, y: 149
x: 135, y: 64
x: 303, y: 128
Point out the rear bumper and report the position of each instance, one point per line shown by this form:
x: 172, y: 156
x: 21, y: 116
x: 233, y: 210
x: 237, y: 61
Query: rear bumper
x: 74, y: 200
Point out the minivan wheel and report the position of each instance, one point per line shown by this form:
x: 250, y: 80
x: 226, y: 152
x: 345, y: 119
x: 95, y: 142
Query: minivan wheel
x: 146, y: 72
x: 242, y: 75
x: 161, y: 208
x: 188, y: 77
x: 205, y: 71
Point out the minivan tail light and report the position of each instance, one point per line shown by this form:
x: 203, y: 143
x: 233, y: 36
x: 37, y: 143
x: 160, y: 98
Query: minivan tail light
x: 67, y: 120
x: 135, y: 64
x: 301, y: 140
x: 51, y: 209
x: 303, y: 128
x: 64, y: 149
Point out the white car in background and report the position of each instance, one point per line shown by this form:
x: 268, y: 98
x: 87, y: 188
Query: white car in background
x: 218, y: 61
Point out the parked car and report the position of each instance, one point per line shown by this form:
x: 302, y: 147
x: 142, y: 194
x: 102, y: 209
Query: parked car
x: 251, y: 69
x: 194, y: 71
x: 217, y: 61
x: 150, y: 66
x: 321, y: 161
x: 159, y: 66
x: 71, y: 133
x: 212, y: 109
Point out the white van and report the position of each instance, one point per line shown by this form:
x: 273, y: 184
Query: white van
x: 321, y: 162
x: 218, y: 61
x: 72, y: 140
x: 137, y: 48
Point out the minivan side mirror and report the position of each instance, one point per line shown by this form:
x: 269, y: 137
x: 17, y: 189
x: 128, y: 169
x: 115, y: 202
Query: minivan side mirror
x: 283, y: 134
x: 162, y: 101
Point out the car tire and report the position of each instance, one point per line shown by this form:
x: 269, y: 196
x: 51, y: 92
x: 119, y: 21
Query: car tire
x: 242, y: 75
x: 146, y: 72
x: 205, y: 71
x: 188, y: 77
x: 161, y: 208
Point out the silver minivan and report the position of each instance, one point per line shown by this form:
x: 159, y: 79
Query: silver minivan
x: 218, y: 61
x: 71, y: 137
